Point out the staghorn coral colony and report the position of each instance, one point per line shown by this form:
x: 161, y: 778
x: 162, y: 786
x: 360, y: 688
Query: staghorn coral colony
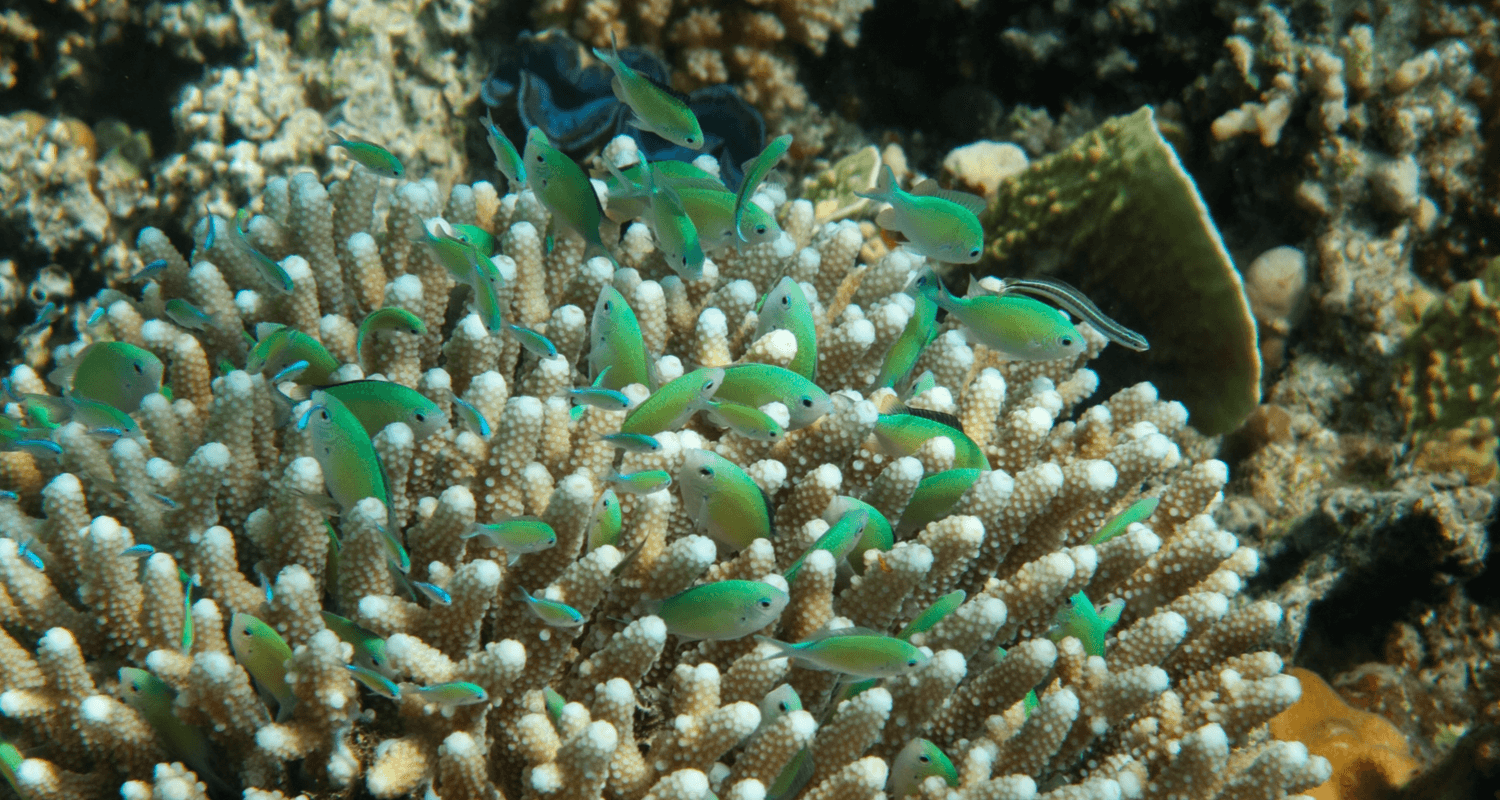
x: 1073, y: 664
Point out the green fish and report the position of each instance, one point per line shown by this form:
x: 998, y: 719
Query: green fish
x: 553, y: 613
x: 188, y: 582
x: 756, y: 170
x: 472, y: 268
x: 656, y: 108
x: 45, y: 316
x: 154, y: 700
x: 794, y: 777
x: 1089, y: 624
x: 374, y: 681
x: 561, y: 185
x: 711, y: 207
x: 778, y: 703
x: 264, y: 654
x: 722, y: 610
x: 607, y: 399
x: 755, y: 385
x: 116, y: 373
x: 670, y: 406
x: 387, y: 319
x: 95, y: 416
x: 377, y: 404
x: 1138, y: 511
x: 785, y: 307
x: 264, y: 264
x: 553, y: 702
x: 453, y: 694
x: 937, y: 223
x: 633, y: 442
x: 941, y: 607
x: 839, y: 539
x: 936, y: 495
x: 10, y: 761
x: 518, y: 536
x: 1019, y: 328
x: 617, y: 352
x: 368, y: 646
x: 472, y: 418
x: 860, y: 654
x: 747, y: 421
x: 606, y: 522
x: 877, y: 535
x: 535, y: 343
x: 918, y: 761
x: 507, y: 160
x: 282, y: 346
x: 723, y: 501
x: 921, y: 328
x: 187, y: 315
x: 371, y: 156
x: 676, y: 235
x: 643, y: 482
x: 903, y: 433
x: 1079, y: 305
x: 479, y: 238
x: 351, y: 467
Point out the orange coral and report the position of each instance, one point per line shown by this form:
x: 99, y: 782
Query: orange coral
x: 1370, y: 757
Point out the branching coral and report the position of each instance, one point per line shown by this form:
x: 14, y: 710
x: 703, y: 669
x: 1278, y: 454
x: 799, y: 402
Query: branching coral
x: 217, y: 483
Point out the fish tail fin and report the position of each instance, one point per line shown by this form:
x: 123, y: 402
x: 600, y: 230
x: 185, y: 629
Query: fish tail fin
x: 783, y: 650
x: 596, y: 249
x: 284, y: 707
x: 885, y: 186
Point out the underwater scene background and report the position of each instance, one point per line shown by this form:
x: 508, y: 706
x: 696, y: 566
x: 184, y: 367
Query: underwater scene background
x: 750, y: 399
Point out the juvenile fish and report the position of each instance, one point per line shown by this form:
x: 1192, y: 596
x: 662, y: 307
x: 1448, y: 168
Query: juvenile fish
x: 535, y: 343
x: 838, y: 540
x: 387, y: 319
x: 670, y: 406
x: 187, y: 315
x: 149, y: 271
x: 47, y: 315
x: 368, y: 646
x: 154, y: 700
x: 756, y: 170
x: 755, y: 385
x: 656, y: 108
x: 607, y: 399
x: 861, y: 655
x: 633, y: 442
x: 551, y: 612
x: 374, y: 681
x: 617, y: 352
x: 507, y: 160
x: 1088, y: 623
x: 377, y: 404
x: 877, y: 534
x: 371, y: 156
x: 917, y: 761
x: 785, y: 307
x: 1079, y: 305
x: 643, y: 482
x: 517, y: 536
x: 271, y: 271
x: 722, y: 610
x: 1017, y: 327
x: 606, y: 521
x: 1138, y: 511
x: 263, y: 653
x: 723, y: 501
x: 280, y: 347
x: 939, y: 224
x: 472, y: 418
x: 453, y: 694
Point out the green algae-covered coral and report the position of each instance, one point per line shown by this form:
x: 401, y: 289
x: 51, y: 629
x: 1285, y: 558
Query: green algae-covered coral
x: 1448, y: 378
x: 1116, y: 209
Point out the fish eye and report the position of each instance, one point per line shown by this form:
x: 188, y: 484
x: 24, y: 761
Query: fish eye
x: 246, y: 632
x: 552, y: 540
x: 705, y: 472
x: 911, y: 662
x: 974, y: 253
x: 765, y: 603
x: 807, y: 402
x: 421, y: 417
x: 786, y: 300
x: 760, y: 229
x: 924, y: 759
x: 783, y: 706
x: 1067, y: 341
x: 606, y: 502
x: 138, y: 369
x: 540, y: 159
x: 690, y: 139
x: 609, y: 305
x: 324, y: 415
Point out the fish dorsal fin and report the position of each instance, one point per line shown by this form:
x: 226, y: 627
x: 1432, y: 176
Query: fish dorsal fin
x: 929, y: 188
x: 940, y: 417
x: 818, y: 636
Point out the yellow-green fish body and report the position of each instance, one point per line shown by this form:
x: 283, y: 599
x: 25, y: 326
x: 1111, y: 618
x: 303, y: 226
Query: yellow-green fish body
x: 723, y: 500
x: 904, y: 433
x: 387, y: 319
x: 941, y: 607
x: 670, y: 406
x: 117, y: 373
x: 1015, y: 326
x: 1090, y: 624
x: 877, y: 534
x: 374, y: 681
x: 271, y: 271
x: 657, y: 108
x: 1138, y: 511
x: 747, y: 421
x: 507, y: 160
x: 154, y: 700
x: 941, y: 225
x: 756, y: 170
x: 676, y: 235
x: 371, y: 156
x: 617, y: 353
x: 551, y: 612
x: 561, y: 185
x: 351, y: 467
x: 368, y: 646
x: 643, y: 482
x: 917, y: 761
x: 755, y: 385
x: 921, y: 328
x: 722, y: 610
x: 518, y: 536
x: 377, y: 404
x: 785, y: 307
x: 605, y: 524
x: 452, y: 694
x: 935, y: 496
x: 861, y: 655
x: 284, y: 346
x: 838, y: 540
x: 264, y: 654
